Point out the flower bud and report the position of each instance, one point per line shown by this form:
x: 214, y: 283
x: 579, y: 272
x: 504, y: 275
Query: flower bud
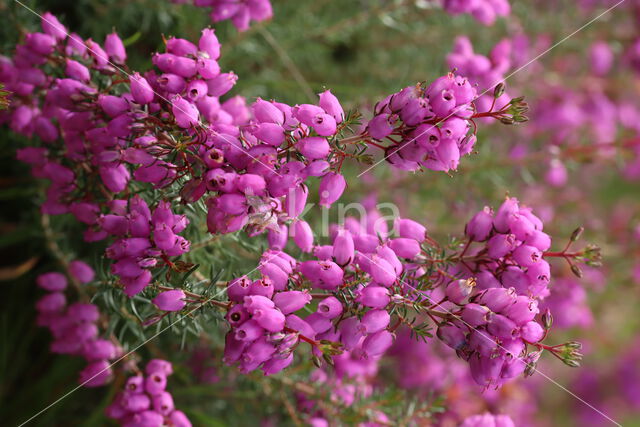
x: 275, y: 365
x: 475, y: 314
x: 77, y: 71
x: 330, y: 307
x: 270, y: 319
x: 331, y: 105
x: 547, y: 319
x: 502, y: 327
x: 96, y: 374
x: 291, y: 301
x: 480, y: 226
x: 501, y: 219
x: 376, y: 344
x: 172, y: 300
x: 155, y: 383
x: 296, y: 200
x: 185, y: 113
x: 526, y: 256
x: 523, y: 311
x: 322, y: 274
x: 452, y: 336
x: 278, y: 239
x: 52, y: 26
x: 343, y: 248
x: 238, y: 288
x: 248, y: 331
x: 141, y: 91
x: 405, y: 248
x: 302, y: 235
x: 114, y: 47
x: 380, y: 126
x: 483, y: 342
x: 81, y: 271
x: 375, y: 320
x: 52, y: 282
x: 331, y: 188
x: 532, y: 332
x: 540, y: 240
x: 500, y: 245
x: 209, y: 43
x: 52, y: 302
x: 163, y: 403
x: 381, y: 271
x: 221, y: 84
x: 314, y: 147
x: 374, y: 296
x: 409, y: 229
x: 264, y: 287
x: 458, y: 290
x: 351, y: 332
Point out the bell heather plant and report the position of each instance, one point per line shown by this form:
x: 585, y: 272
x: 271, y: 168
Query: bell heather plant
x: 171, y: 173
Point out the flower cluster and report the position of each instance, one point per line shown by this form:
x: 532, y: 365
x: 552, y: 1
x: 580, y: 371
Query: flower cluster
x: 239, y: 12
x: 167, y: 128
x: 483, y: 71
x: 484, y: 11
x: 145, y: 401
x: 75, y: 326
x: 123, y: 152
x: 512, y: 254
x: 264, y: 331
x: 423, y: 367
x: 427, y: 126
x: 257, y: 188
x: 489, y: 317
x: 498, y: 301
x: 142, y: 239
x: 261, y: 315
x: 492, y: 334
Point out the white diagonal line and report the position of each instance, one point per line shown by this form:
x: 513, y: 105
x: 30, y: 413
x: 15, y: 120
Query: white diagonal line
x: 200, y: 123
x: 136, y: 348
x: 115, y: 362
x: 499, y: 345
x: 500, y: 80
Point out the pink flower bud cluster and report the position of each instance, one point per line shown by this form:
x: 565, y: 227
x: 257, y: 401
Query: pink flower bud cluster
x: 240, y: 12
x: 513, y: 246
x: 428, y: 127
x: 167, y: 127
x: 264, y: 330
x: 484, y: 11
x: 142, y: 239
x: 255, y: 187
x: 485, y: 72
x: 74, y: 326
x: 111, y: 141
x: 424, y: 367
x: 499, y: 301
x: 145, y: 401
x: 356, y: 253
x: 492, y: 333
